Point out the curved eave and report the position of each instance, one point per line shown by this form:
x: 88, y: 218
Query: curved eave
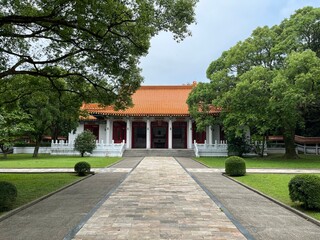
x: 146, y: 114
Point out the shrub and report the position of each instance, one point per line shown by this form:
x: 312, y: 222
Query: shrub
x: 237, y: 145
x: 82, y: 168
x: 8, y: 195
x: 305, y: 188
x: 85, y: 142
x: 235, y: 166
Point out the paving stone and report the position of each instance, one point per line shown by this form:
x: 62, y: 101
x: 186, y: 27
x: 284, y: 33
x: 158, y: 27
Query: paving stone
x: 159, y: 200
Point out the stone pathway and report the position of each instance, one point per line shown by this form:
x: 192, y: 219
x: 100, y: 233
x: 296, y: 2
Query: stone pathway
x: 159, y: 200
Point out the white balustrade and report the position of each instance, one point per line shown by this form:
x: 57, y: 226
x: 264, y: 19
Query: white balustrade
x: 102, y: 149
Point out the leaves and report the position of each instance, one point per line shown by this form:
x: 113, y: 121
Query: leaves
x: 96, y: 44
x: 268, y: 81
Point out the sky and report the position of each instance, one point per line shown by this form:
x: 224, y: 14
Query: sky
x: 220, y: 25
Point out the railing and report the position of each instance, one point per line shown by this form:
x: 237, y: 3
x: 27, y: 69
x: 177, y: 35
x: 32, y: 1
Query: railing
x: 307, y: 149
x: 102, y: 149
x: 218, y: 149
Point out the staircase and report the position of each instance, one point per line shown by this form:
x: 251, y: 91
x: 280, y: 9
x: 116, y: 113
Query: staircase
x: 158, y: 153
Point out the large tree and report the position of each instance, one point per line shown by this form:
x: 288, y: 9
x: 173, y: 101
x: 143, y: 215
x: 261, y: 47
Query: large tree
x: 13, y: 125
x: 267, y: 81
x: 51, y: 113
x: 97, y: 43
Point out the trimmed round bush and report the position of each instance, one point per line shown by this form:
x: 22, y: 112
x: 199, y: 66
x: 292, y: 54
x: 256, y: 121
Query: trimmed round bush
x: 305, y: 188
x: 235, y: 166
x: 82, y: 168
x: 8, y: 195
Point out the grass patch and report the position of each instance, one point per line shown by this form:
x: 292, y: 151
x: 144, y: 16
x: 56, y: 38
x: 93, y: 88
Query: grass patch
x: 52, y: 161
x: 272, y: 161
x: 275, y: 186
x: 34, y: 186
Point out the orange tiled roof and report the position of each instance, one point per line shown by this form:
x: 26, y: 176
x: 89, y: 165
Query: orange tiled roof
x: 151, y: 101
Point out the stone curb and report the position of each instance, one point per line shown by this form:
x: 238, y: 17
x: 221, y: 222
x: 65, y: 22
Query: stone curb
x: 19, y: 209
x: 301, y: 214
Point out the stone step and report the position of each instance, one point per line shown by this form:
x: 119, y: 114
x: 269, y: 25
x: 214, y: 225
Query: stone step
x: 159, y: 153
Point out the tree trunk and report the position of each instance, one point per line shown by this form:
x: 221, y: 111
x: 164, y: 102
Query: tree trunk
x: 263, y: 142
x: 4, y: 152
x: 289, y: 144
x: 36, y: 149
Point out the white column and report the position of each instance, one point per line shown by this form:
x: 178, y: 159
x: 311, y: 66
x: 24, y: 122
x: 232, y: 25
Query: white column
x: 210, y: 135
x: 170, y: 134
x: 102, y: 133
x: 108, y: 130
x: 189, y: 134
x: 148, y: 132
x: 128, y: 140
x: 216, y: 133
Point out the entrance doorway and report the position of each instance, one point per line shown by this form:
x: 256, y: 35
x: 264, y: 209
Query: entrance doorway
x: 200, y: 137
x: 119, y: 131
x: 159, y: 134
x: 179, y: 135
x: 139, y: 136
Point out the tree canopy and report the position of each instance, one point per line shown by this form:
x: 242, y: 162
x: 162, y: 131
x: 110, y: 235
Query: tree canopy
x: 13, y: 125
x: 266, y: 82
x: 94, y: 45
x: 50, y: 112
x: 85, y: 142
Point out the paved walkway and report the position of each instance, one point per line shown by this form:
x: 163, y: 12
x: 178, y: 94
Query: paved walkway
x: 159, y: 200
x: 262, y: 218
x: 54, y: 217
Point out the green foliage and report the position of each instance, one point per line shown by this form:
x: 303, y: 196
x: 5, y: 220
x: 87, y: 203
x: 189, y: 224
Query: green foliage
x: 305, y: 189
x: 13, y: 124
x: 270, y: 161
x: 96, y: 45
x: 85, y: 142
x: 237, y: 145
x: 235, y: 166
x: 33, y: 186
x: 275, y: 186
x: 266, y: 82
x: 8, y: 195
x: 53, y: 161
x: 82, y: 168
x: 50, y: 112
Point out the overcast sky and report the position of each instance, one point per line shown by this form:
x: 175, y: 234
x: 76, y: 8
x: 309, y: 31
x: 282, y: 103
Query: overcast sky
x: 220, y: 25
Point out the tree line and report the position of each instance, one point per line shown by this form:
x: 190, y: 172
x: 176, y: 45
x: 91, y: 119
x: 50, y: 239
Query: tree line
x: 267, y: 84
x: 54, y: 55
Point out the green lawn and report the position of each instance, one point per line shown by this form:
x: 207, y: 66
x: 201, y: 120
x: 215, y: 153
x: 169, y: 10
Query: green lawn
x: 275, y: 186
x: 272, y: 161
x: 50, y: 161
x: 33, y: 186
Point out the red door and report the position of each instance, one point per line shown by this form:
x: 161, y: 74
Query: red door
x: 94, y: 128
x: 159, y: 134
x: 119, y: 131
x: 139, y: 135
x: 179, y: 135
x: 200, y: 137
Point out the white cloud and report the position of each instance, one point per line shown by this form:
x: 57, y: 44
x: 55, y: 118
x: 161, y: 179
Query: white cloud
x: 220, y: 25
